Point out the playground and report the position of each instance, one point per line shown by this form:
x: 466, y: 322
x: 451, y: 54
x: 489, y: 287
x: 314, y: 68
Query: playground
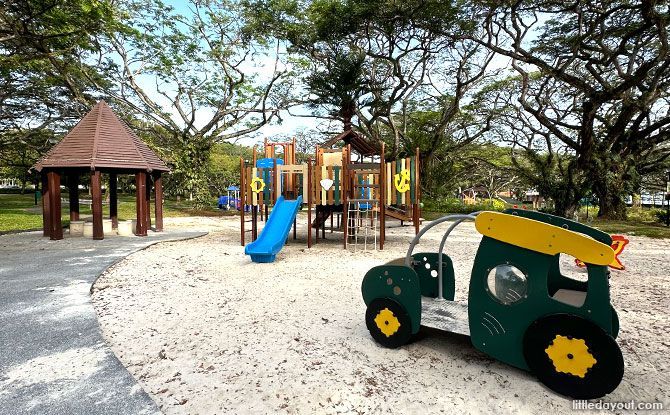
x: 217, y: 333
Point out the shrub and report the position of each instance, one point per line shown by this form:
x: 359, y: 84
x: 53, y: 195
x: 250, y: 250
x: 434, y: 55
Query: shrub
x: 661, y: 215
x: 454, y: 205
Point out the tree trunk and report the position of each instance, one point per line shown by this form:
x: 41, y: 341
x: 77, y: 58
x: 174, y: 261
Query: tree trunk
x: 611, y: 206
x: 565, y: 208
x: 192, y: 168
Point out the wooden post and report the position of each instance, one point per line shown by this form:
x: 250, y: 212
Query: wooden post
x: 309, y: 203
x: 382, y: 197
x: 147, y: 201
x: 46, y: 205
x: 113, y: 201
x: 56, y: 226
x: 254, y: 224
x: 73, y: 194
x: 416, y: 211
x: 275, y: 187
x: 96, y: 205
x: 345, y: 189
x: 140, y: 204
x: 158, y: 201
x: 243, y: 198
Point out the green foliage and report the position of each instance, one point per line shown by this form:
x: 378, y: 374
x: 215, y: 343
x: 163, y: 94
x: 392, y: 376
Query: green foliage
x: 662, y: 216
x: 453, y: 205
x: 224, y: 167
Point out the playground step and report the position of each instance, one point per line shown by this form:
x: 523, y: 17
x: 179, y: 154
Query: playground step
x: 445, y: 315
x: 399, y: 216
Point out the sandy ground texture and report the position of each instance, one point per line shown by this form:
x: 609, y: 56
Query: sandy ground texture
x: 205, y: 331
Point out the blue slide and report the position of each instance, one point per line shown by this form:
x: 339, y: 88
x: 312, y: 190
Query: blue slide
x: 274, y: 234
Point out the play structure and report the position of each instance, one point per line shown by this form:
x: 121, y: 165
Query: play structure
x: 231, y: 200
x: 521, y: 310
x: 351, y: 185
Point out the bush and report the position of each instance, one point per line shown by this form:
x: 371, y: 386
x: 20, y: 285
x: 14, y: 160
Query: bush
x: 661, y: 215
x: 454, y: 205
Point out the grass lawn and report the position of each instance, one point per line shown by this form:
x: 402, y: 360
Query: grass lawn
x: 18, y: 212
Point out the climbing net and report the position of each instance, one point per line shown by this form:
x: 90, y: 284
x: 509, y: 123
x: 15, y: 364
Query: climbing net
x: 362, y: 223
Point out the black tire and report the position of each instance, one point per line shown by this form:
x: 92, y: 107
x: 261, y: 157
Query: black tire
x: 595, y: 369
x: 386, y: 332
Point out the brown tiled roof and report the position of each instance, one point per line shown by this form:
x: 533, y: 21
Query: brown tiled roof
x: 358, y: 143
x: 102, y: 140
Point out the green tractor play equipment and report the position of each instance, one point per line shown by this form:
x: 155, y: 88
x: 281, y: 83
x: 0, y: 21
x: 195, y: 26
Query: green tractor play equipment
x: 520, y: 309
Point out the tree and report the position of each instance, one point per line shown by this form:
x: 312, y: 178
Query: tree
x: 190, y: 77
x: 48, y: 76
x: 594, y: 78
x: 368, y: 61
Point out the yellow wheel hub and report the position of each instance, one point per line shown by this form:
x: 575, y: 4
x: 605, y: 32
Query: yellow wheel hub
x: 570, y: 356
x: 387, y: 322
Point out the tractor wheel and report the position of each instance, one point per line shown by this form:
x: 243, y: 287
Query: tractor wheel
x: 388, y: 322
x: 573, y: 356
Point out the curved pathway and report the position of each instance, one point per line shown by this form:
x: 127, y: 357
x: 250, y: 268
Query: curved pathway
x: 53, y: 359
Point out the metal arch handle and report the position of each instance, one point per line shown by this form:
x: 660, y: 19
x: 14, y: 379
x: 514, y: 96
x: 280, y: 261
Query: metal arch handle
x: 458, y: 220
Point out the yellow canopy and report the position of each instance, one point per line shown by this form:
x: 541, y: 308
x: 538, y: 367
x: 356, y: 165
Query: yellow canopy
x: 542, y: 237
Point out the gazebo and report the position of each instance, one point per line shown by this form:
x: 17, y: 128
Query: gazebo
x: 100, y: 143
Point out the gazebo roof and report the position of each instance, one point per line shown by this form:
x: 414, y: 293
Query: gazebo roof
x: 357, y: 141
x: 101, y: 141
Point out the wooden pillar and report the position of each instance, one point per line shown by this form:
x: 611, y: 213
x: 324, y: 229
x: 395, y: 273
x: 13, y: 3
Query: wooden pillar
x: 147, y: 201
x: 96, y: 204
x: 73, y: 194
x: 254, y: 223
x: 382, y: 197
x: 46, y: 207
x: 158, y: 197
x: 243, y: 199
x: 55, y: 225
x: 416, y: 211
x: 309, y: 203
x: 140, y: 203
x: 113, y: 201
x: 345, y: 190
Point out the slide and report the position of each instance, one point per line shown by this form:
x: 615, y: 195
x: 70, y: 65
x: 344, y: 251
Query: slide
x: 274, y: 234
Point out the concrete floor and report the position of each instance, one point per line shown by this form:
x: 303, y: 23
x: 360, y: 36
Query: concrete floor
x: 53, y: 359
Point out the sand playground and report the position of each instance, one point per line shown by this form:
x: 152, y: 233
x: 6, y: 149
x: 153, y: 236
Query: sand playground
x: 206, y: 331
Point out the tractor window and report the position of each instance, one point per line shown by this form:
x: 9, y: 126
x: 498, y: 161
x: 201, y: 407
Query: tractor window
x: 507, y: 284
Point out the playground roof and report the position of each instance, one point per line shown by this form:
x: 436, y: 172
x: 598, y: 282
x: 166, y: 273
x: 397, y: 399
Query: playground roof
x: 357, y: 141
x: 102, y: 140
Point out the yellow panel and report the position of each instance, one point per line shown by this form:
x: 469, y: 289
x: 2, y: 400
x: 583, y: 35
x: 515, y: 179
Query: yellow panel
x: 254, y: 195
x: 389, y: 179
x: 403, y: 166
x: 305, y: 189
x: 332, y: 159
x: 324, y: 195
x: 542, y: 237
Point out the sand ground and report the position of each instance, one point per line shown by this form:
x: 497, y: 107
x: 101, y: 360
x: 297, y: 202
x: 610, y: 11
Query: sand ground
x: 206, y: 331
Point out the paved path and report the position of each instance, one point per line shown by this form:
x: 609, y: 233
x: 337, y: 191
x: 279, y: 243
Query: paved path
x: 53, y: 359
